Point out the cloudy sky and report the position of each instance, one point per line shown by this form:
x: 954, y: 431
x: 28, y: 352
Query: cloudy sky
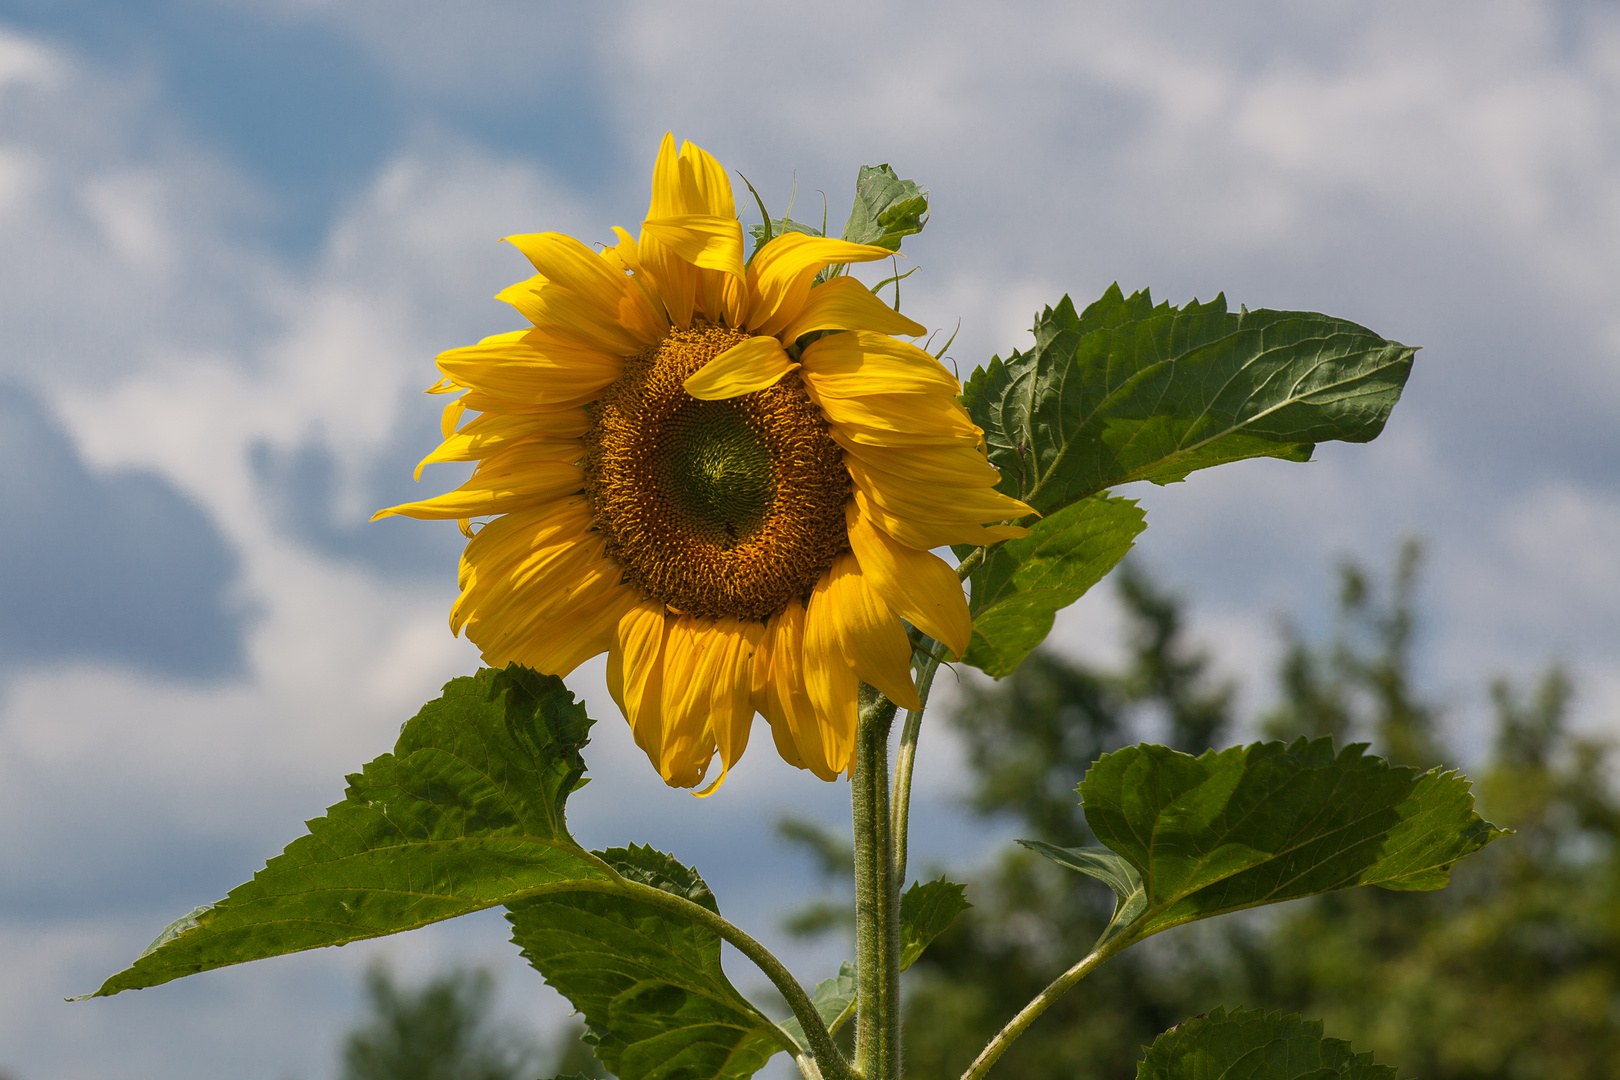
x: 233, y: 235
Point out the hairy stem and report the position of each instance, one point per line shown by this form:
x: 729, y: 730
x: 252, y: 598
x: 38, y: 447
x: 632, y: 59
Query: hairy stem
x: 904, y: 761
x: 1026, y: 1016
x: 877, y: 896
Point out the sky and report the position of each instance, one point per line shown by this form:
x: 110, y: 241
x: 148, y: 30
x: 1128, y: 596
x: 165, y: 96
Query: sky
x: 233, y: 235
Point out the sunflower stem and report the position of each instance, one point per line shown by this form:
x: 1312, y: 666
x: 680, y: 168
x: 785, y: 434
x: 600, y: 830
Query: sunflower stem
x: 905, y: 760
x: 877, y: 895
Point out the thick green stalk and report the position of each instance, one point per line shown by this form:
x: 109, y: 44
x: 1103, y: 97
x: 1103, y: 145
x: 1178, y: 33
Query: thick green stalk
x: 877, y: 896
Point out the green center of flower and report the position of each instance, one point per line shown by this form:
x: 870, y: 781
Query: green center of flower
x: 718, y: 472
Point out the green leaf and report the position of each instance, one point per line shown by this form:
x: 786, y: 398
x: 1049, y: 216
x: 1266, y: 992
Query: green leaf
x: 1250, y: 1044
x: 649, y: 983
x: 886, y: 209
x: 1110, y: 869
x: 926, y: 909
x: 1022, y: 584
x: 833, y: 998
x: 466, y: 813
x: 1129, y: 391
x: 1263, y: 823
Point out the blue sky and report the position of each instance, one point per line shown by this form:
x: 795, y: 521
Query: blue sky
x: 235, y: 234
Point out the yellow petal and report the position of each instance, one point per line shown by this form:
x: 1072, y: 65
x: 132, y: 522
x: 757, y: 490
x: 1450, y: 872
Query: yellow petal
x: 688, y: 744
x: 779, y: 277
x: 860, y: 363
x: 917, y: 585
x: 636, y: 674
x: 705, y: 187
x: 574, y: 634
x: 830, y: 684
x: 912, y: 498
x: 711, y: 243
x: 845, y: 304
x: 870, y: 635
x: 518, y: 476
x: 566, y: 263
x: 568, y: 317
x: 898, y: 419
x: 744, y: 368
x: 731, y: 710
x: 530, y: 374
x: 956, y: 464
x: 493, y: 432
x: 926, y: 534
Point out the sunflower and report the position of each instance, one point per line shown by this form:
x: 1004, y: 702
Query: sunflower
x: 726, y: 476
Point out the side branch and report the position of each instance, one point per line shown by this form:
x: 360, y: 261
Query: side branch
x: 1026, y: 1016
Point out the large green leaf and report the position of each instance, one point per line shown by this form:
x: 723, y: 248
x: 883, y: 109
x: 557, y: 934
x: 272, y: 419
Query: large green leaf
x: 1266, y: 822
x: 1129, y: 391
x: 1249, y: 1044
x: 1022, y: 584
x: 926, y: 910
x: 466, y: 813
x: 886, y: 209
x: 649, y: 983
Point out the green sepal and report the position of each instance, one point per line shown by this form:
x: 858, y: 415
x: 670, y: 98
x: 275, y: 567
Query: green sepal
x: 1250, y: 1044
x: 1022, y: 584
x: 1266, y: 822
x: 465, y: 814
x: 1130, y: 391
x: 926, y: 910
x: 886, y: 210
x: 656, y: 1003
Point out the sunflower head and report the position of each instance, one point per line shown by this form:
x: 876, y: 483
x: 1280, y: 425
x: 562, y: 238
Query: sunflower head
x: 724, y: 475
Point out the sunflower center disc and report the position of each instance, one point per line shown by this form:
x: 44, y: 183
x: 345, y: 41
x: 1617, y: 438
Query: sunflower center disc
x: 715, y: 508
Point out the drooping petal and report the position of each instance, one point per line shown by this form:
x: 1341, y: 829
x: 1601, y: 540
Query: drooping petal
x: 829, y: 685
x: 779, y: 278
x: 845, y: 304
x: 689, y: 665
x: 860, y: 363
x: 917, y: 585
x: 635, y: 674
x: 955, y: 464
x: 731, y: 709
x: 744, y: 368
x: 870, y: 636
